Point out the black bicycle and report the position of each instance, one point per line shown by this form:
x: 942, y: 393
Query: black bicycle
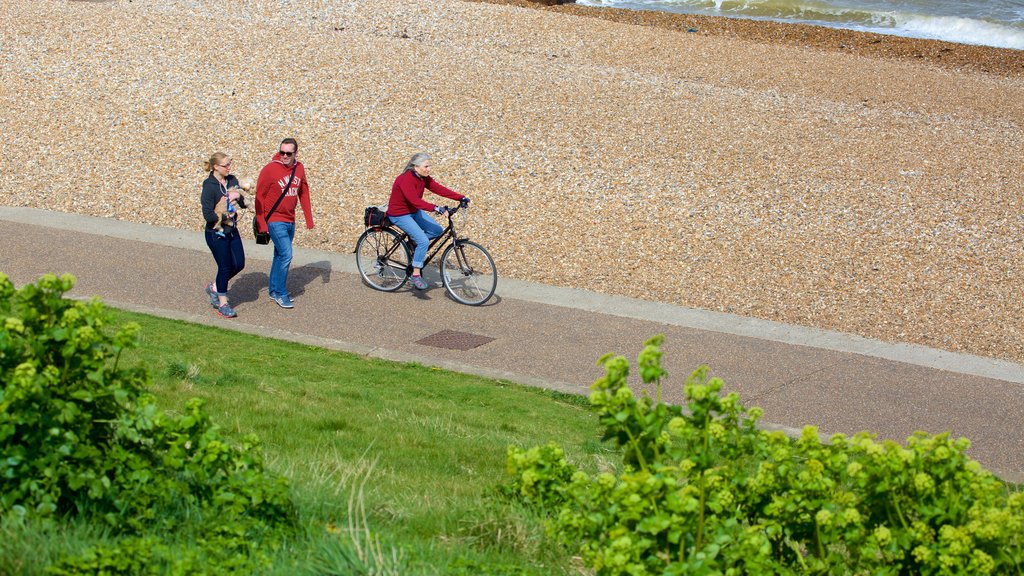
x: 384, y: 258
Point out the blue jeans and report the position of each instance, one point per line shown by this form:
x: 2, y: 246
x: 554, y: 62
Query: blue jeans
x: 227, y: 250
x: 422, y: 229
x: 281, y: 234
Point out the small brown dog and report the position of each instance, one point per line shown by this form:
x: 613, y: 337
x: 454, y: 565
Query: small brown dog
x: 226, y: 210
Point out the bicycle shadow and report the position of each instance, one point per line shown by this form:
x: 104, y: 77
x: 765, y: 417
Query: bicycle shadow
x: 494, y: 300
x: 433, y: 279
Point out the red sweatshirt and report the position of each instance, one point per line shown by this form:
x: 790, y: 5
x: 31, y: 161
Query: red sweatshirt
x: 407, y: 194
x: 269, y: 185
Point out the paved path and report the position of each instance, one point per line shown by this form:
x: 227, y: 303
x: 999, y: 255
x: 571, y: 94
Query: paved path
x: 542, y: 336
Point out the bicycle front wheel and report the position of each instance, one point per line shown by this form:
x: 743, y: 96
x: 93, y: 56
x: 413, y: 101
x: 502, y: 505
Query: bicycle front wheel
x: 383, y: 259
x: 468, y: 272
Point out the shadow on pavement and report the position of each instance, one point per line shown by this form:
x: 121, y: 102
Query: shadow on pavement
x: 246, y: 287
x: 299, y: 278
x: 433, y: 278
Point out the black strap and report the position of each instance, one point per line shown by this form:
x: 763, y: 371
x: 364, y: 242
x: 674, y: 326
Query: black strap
x: 283, y: 192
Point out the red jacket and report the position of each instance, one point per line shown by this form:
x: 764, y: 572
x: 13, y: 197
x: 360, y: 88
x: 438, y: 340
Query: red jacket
x: 269, y: 185
x: 407, y: 194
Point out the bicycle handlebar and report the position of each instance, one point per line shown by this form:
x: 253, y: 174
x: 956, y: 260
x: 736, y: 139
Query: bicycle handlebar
x: 452, y: 210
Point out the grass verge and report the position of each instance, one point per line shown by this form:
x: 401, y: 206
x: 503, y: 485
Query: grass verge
x: 393, y: 465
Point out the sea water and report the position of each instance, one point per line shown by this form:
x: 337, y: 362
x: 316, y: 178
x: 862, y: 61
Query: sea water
x: 998, y: 23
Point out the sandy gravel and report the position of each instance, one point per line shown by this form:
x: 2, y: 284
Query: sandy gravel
x: 958, y: 57
x: 872, y: 193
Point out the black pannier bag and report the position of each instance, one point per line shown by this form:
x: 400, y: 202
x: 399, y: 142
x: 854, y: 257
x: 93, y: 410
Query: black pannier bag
x: 374, y: 217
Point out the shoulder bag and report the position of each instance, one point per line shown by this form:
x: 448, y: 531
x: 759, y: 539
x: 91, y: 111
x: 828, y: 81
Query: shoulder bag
x: 264, y: 237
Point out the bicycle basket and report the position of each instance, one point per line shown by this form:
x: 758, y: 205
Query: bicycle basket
x: 374, y: 217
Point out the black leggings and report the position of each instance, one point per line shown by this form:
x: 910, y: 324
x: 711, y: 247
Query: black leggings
x: 230, y: 256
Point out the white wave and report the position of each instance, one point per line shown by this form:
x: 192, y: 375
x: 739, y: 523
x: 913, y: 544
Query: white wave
x: 852, y: 14
x: 962, y: 30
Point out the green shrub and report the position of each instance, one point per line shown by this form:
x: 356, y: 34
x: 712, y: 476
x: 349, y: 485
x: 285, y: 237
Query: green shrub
x: 79, y: 436
x: 703, y: 491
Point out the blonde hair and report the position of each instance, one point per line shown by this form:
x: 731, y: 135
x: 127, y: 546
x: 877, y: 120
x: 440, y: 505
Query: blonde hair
x: 215, y: 160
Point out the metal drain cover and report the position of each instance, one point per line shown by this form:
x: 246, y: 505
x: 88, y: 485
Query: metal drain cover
x: 454, y: 340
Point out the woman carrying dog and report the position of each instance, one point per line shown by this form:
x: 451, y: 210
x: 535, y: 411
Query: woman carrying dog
x: 219, y: 197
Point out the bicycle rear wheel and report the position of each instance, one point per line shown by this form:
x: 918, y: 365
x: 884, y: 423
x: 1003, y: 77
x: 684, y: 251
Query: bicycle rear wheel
x: 468, y: 272
x: 383, y: 259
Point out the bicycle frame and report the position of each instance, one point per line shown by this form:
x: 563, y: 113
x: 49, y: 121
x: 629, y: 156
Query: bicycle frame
x: 467, y: 270
x: 438, y: 243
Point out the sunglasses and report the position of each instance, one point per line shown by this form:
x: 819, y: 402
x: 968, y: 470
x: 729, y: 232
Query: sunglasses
x: 283, y: 153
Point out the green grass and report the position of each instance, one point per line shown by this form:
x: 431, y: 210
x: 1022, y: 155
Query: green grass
x: 397, y: 462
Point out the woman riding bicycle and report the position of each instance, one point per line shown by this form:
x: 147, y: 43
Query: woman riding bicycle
x: 410, y: 212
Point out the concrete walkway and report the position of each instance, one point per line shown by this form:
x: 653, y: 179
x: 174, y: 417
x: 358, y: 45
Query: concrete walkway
x: 540, y: 335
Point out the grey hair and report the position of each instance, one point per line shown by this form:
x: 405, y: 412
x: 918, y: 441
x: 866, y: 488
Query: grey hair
x: 417, y: 160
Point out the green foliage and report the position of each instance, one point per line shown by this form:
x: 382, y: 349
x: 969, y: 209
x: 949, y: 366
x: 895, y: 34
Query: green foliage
x: 28, y: 546
x: 703, y: 491
x: 60, y: 396
x: 218, y: 549
x: 79, y: 436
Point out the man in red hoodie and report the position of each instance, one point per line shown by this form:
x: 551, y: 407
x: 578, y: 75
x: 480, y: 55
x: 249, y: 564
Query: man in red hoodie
x: 282, y: 183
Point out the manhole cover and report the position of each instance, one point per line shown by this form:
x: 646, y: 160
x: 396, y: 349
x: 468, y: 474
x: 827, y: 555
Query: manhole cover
x: 454, y: 340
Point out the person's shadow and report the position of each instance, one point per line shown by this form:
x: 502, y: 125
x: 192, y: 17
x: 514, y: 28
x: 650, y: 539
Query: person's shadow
x: 247, y: 287
x: 299, y: 278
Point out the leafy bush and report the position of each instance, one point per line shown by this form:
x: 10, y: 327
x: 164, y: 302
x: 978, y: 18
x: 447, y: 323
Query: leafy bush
x: 703, y: 491
x: 79, y: 436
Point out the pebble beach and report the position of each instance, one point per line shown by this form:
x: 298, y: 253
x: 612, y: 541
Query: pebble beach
x: 833, y: 179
